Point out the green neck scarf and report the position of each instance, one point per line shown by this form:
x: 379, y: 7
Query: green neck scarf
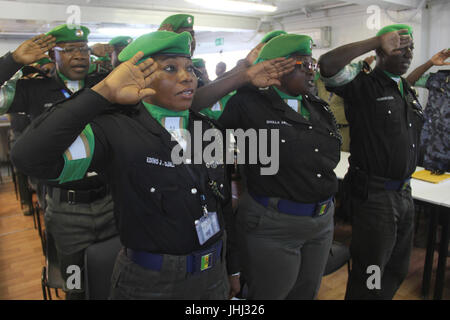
x: 397, y: 79
x: 294, y: 102
x: 170, y: 120
x: 72, y: 85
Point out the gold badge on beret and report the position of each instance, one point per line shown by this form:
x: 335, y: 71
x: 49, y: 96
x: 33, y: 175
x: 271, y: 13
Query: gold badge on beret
x: 189, y: 20
x: 310, y: 44
x: 79, y: 33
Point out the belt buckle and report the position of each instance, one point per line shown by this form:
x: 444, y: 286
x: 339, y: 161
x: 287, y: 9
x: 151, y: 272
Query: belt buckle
x: 405, y: 184
x: 71, y: 196
x: 206, y: 261
x: 321, y: 208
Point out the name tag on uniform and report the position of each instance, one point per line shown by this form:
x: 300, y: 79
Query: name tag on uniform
x: 385, y: 98
x: 207, y: 226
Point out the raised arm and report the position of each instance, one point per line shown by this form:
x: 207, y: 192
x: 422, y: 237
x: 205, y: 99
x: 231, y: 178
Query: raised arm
x: 263, y: 74
x: 28, y: 52
x: 39, y: 152
x: 437, y: 60
x: 335, y: 60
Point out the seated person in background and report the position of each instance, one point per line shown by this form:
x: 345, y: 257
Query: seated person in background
x: 435, y: 137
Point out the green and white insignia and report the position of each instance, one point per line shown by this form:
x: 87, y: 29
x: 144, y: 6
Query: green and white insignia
x: 310, y: 44
x: 78, y: 157
x: 189, y: 20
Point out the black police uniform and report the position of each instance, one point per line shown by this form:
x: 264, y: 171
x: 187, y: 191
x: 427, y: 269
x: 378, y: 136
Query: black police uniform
x: 156, y: 202
x: 292, y: 208
x: 88, y: 198
x: 385, y: 130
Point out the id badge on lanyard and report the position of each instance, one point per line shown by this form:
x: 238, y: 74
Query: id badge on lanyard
x: 208, y: 225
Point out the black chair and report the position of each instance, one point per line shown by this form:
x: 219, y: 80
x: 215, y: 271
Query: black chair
x: 99, y: 260
x: 339, y: 255
x: 51, y: 274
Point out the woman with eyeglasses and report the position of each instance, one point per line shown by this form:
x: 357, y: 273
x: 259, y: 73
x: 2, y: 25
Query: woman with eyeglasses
x: 285, y: 218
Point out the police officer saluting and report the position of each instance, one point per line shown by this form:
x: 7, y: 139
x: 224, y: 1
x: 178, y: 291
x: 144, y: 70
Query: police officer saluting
x: 385, y: 122
x: 285, y: 221
x: 169, y: 215
x: 78, y: 213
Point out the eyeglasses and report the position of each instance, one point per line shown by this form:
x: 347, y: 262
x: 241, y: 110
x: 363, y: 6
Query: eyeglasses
x: 307, y: 66
x: 73, y: 50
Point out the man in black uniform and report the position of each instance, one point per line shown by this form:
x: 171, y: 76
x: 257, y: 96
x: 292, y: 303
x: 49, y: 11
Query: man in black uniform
x: 385, y: 122
x: 78, y: 213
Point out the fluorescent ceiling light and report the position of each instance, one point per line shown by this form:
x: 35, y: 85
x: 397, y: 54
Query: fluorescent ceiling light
x: 131, y: 32
x: 232, y: 5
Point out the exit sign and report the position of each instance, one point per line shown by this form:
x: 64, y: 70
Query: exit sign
x: 219, y: 42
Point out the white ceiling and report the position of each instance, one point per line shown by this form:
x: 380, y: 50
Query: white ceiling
x: 24, y: 18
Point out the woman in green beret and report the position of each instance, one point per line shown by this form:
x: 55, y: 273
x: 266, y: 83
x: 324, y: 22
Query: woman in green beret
x: 171, y: 222
x: 171, y: 216
x: 285, y: 219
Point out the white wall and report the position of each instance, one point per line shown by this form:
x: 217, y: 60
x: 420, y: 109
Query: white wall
x: 431, y: 28
x: 9, y: 45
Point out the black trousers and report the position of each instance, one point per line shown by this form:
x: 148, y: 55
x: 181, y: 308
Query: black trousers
x: 382, y: 234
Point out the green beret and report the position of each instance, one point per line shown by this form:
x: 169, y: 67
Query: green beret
x: 43, y: 61
x: 198, y: 63
x: 159, y: 42
x: 395, y: 27
x: 272, y: 34
x: 63, y: 33
x: 284, y: 45
x: 121, y: 41
x: 178, y: 21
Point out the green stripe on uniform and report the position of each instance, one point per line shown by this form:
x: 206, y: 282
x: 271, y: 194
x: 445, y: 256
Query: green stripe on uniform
x: 78, y: 157
x: 8, y: 91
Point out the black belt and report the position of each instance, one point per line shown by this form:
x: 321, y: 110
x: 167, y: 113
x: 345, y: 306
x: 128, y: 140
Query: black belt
x: 78, y: 196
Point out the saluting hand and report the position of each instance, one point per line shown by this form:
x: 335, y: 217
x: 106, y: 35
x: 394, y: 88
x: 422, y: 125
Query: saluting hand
x: 253, y: 55
x: 439, y: 58
x: 33, y: 49
x: 268, y: 73
x: 392, y: 42
x: 128, y: 83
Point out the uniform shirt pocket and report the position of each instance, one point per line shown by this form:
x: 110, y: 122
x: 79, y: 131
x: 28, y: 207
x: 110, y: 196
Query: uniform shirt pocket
x: 387, y: 118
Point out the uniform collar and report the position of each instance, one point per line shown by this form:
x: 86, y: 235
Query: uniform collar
x: 383, y: 77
